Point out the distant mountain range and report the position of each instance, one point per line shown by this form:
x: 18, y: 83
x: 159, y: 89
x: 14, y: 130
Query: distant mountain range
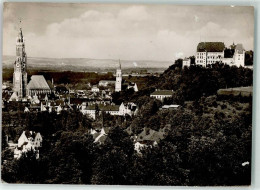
x: 85, y: 64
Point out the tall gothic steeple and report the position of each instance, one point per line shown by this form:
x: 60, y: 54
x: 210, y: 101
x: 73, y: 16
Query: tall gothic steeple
x: 20, y: 67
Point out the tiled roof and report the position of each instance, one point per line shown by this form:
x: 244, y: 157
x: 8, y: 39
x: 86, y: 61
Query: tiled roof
x: 210, y: 47
x: 95, y: 135
x: 239, y: 48
x: 162, y: 92
x: 77, y: 101
x: 102, y: 139
x: 150, y: 135
x: 109, y: 107
x: 38, y: 82
x: 103, y: 107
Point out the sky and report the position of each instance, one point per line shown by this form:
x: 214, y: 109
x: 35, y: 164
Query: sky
x: 123, y: 31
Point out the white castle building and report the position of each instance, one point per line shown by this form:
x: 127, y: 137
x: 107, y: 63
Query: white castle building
x: 238, y: 58
x: 211, y: 52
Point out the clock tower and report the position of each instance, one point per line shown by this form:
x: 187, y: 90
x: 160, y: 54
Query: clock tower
x: 20, y: 67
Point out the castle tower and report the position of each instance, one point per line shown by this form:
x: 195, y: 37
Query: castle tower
x: 20, y: 67
x: 118, y: 85
x: 239, y: 55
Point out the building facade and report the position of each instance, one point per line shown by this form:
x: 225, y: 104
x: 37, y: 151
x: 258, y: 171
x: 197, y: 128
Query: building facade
x: 20, y: 68
x: 239, y: 56
x: 94, y: 89
x: 162, y: 94
x: 209, y: 53
x: 105, y: 83
x: 186, y: 62
x: 28, y: 141
x: 129, y: 108
x: 133, y: 86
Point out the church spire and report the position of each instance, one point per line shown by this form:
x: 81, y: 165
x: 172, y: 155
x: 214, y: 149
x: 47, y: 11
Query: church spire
x: 119, y: 64
x: 20, y: 33
x: 20, y: 67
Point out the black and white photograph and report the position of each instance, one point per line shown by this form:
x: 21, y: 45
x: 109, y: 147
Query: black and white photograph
x: 127, y: 94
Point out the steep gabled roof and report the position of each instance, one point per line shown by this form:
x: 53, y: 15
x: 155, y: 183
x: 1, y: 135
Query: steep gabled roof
x: 14, y: 96
x: 38, y: 82
x: 210, y: 47
x: 150, y: 135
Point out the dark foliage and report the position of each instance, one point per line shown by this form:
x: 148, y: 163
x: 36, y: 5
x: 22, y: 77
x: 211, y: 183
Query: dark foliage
x: 206, y: 142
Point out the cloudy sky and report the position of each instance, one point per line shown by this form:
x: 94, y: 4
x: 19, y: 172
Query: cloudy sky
x: 133, y: 32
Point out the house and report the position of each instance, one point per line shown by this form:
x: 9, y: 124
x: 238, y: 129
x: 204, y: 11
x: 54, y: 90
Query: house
x: 99, y: 135
x: 161, y: 94
x: 186, y: 62
x: 92, y: 109
x: 55, y: 105
x: 148, y: 138
x: 133, y: 86
x: 120, y: 110
x: 89, y: 110
x: 94, y: 89
x: 110, y: 109
x: 14, y: 97
x: 105, y: 83
x: 128, y: 108
x: 29, y: 140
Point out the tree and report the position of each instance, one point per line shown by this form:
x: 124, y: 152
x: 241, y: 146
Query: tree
x: 114, y: 160
x: 27, y: 169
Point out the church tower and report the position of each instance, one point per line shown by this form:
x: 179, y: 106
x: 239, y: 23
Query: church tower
x: 118, y: 85
x: 20, y: 67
